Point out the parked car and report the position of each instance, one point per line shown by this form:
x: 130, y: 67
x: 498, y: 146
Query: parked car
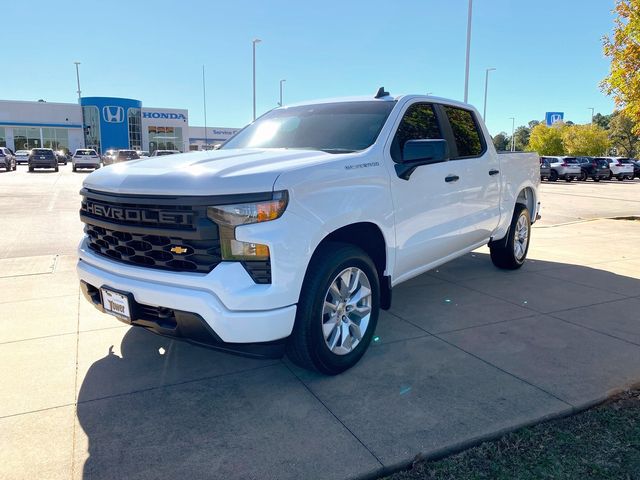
x: 545, y: 169
x: 160, y: 153
x: 143, y: 153
x: 22, y: 156
x: 593, y: 168
x: 565, y: 168
x: 85, y: 158
x: 7, y: 159
x: 636, y: 168
x: 126, y: 155
x: 61, y: 155
x: 43, y: 158
x: 109, y: 157
x: 292, y: 241
x: 621, y: 168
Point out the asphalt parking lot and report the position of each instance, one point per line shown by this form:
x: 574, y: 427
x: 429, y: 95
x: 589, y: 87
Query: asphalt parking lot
x: 467, y: 352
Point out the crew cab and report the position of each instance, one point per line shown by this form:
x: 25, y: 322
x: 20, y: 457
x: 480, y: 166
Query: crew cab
x: 292, y: 236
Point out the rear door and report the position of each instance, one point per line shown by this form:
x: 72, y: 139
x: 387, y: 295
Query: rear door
x: 479, y: 183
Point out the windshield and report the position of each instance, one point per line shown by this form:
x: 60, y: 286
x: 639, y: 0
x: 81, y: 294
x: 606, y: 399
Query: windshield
x: 85, y: 152
x: 22, y: 152
x: 42, y: 151
x: 128, y: 154
x: 571, y: 160
x: 330, y: 127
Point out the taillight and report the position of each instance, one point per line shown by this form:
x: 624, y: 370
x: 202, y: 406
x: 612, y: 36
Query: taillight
x: 565, y: 165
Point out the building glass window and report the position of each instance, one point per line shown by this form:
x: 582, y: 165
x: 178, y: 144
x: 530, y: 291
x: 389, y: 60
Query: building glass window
x: 135, y: 128
x: 55, y: 138
x: 165, y: 138
x: 3, y: 137
x: 91, y: 122
x: 26, y: 138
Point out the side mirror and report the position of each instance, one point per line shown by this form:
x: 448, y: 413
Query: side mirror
x: 416, y: 153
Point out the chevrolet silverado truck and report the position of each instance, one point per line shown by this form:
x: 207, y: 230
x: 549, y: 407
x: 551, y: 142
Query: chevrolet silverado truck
x: 292, y: 236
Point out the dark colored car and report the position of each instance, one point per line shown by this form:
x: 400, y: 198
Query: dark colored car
x: 62, y: 156
x: 545, y: 169
x: 126, y: 155
x: 636, y: 168
x: 594, y: 168
x: 43, y: 158
x: 7, y: 159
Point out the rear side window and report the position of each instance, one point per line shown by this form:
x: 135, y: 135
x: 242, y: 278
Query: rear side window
x: 465, y: 132
x: 418, y: 123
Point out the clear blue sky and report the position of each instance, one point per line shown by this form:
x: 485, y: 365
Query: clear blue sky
x: 548, y: 53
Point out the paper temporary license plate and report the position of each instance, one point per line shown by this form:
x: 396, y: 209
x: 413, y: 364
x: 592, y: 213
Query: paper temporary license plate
x: 116, y: 304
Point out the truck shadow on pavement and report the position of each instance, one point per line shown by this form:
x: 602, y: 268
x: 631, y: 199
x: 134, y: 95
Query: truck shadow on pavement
x: 466, y: 352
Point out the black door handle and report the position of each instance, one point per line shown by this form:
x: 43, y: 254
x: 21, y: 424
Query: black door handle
x: 452, y: 178
x: 494, y: 172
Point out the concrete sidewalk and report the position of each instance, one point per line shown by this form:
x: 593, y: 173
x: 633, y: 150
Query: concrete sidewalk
x: 466, y: 353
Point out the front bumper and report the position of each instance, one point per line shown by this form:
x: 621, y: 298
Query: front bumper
x: 230, y: 326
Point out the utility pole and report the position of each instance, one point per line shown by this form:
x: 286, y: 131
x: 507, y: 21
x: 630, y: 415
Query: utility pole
x: 78, y: 79
x: 255, y: 40
x: 486, y: 87
x: 513, y: 131
x: 281, y: 82
x: 466, y: 72
x: 204, y: 104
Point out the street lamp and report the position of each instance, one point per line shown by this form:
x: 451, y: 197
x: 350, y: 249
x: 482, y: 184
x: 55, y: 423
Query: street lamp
x: 592, y: 112
x: 78, y: 78
x: 255, y: 40
x: 486, y: 87
x: 281, y: 82
x: 466, y: 72
x: 513, y: 130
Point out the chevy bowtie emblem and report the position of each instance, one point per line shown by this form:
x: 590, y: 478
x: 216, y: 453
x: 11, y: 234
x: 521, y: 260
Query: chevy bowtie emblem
x: 179, y: 250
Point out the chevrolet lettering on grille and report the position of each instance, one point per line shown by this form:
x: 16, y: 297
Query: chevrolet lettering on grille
x: 141, y: 215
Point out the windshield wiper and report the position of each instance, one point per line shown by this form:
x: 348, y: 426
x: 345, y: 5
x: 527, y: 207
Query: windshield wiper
x: 337, y: 150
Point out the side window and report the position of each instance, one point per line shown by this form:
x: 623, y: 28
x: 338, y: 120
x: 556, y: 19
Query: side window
x: 419, y: 123
x: 466, y: 133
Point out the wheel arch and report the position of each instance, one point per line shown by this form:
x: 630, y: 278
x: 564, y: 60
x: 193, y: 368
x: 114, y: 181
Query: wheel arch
x: 369, y: 237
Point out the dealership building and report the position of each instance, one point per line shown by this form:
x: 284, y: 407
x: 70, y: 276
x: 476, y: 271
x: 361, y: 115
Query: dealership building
x: 102, y: 123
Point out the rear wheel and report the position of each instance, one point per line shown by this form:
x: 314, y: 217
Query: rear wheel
x: 30, y: 168
x: 620, y: 178
x: 512, y: 253
x: 56, y: 169
x: 338, y: 310
x: 596, y: 179
x: 553, y: 176
x: 583, y: 176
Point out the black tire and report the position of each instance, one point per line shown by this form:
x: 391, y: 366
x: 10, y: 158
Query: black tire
x: 502, y: 253
x: 620, y: 178
x: 74, y: 169
x: 596, y: 179
x: 610, y: 177
x: 306, y: 346
x: 553, y: 176
x: 567, y: 179
x: 56, y: 169
x: 31, y: 169
x: 583, y: 176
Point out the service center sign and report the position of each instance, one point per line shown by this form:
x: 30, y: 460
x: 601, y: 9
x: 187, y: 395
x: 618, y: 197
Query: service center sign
x: 553, y: 117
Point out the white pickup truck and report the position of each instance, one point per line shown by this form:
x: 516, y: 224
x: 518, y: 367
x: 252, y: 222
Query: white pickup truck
x: 293, y: 234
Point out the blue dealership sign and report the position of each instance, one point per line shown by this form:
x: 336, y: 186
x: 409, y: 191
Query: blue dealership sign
x: 554, y: 117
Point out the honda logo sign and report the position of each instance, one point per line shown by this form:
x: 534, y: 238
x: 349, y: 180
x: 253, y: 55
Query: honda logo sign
x: 112, y: 114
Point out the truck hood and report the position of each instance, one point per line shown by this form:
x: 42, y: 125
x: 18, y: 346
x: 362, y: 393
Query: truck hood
x: 215, y: 172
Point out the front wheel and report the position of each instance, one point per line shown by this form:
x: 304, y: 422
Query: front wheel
x: 553, y: 176
x: 338, y: 310
x: 583, y: 176
x: 511, y: 254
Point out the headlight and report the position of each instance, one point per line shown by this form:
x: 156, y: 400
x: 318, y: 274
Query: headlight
x: 228, y: 217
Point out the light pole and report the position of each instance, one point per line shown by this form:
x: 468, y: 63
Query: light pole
x: 281, y: 82
x: 255, y: 40
x: 78, y: 78
x: 513, y: 131
x: 204, y: 104
x: 592, y: 112
x: 486, y: 87
x: 466, y: 72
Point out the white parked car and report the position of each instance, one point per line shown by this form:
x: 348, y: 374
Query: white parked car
x: 85, y: 158
x: 22, y: 156
x: 621, y: 168
x: 565, y: 168
x: 292, y: 236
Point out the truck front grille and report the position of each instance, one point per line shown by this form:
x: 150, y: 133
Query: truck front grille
x: 168, y: 233
x: 152, y: 250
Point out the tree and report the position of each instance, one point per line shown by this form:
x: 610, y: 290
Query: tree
x: 546, y: 140
x: 622, y: 136
x: 501, y: 141
x: 533, y: 123
x: 602, y: 120
x: 521, y: 135
x: 623, y: 48
x: 585, y: 140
